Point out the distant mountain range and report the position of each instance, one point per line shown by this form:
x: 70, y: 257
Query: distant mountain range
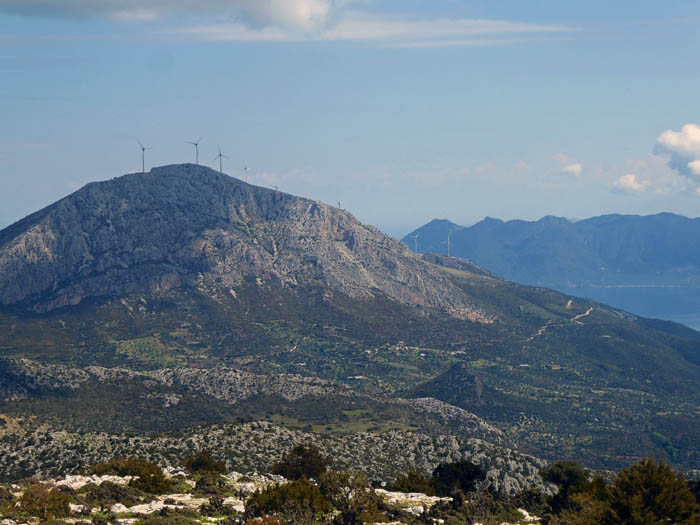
x: 606, y: 251
x: 184, y: 267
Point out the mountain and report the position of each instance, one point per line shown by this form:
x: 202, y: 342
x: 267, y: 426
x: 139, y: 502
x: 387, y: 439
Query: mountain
x: 189, y: 226
x: 611, y: 250
x: 186, y: 268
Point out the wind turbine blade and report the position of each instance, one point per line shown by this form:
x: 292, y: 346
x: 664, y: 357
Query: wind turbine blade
x: 137, y: 140
x: 226, y: 157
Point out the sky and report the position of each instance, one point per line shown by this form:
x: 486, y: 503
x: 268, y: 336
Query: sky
x: 403, y: 110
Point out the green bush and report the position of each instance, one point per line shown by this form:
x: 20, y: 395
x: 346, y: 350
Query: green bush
x: 351, y: 494
x: 204, y: 462
x: 7, y: 500
x: 462, y: 476
x: 413, y: 481
x: 568, y: 476
x: 45, y: 502
x: 171, y: 517
x: 298, y: 501
x: 650, y: 493
x: 150, y: 477
x: 303, y: 461
x: 107, y: 494
x: 211, y: 484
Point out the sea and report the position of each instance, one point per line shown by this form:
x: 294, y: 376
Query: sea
x: 681, y: 305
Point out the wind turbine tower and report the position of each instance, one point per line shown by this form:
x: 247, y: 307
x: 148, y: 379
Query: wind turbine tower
x: 196, y: 150
x: 415, y: 241
x: 245, y: 172
x: 221, y: 156
x: 143, y: 156
x: 448, y: 242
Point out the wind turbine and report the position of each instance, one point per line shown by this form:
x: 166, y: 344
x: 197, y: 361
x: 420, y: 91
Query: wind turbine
x: 196, y: 149
x: 143, y: 156
x: 415, y: 241
x: 277, y: 188
x: 221, y: 156
x: 449, y: 235
x: 245, y: 172
x: 340, y: 205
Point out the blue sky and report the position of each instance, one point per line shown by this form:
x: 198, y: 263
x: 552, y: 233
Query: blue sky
x: 403, y: 110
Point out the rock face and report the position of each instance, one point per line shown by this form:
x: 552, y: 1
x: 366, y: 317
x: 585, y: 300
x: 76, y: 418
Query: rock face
x: 187, y: 225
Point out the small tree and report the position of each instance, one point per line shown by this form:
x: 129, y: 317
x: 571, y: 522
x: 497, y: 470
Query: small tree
x: 413, y: 481
x: 567, y: 476
x: 463, y: 476
x: 204, y: 462
x: 352, y: 495
x: 297, y: 501
x: 650, y: 493
x: 303, y: 461
x: 149, y: 477
x: 45, y: 502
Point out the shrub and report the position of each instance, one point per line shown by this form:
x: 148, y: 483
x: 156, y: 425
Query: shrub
x: 351, y: 494
x: 650, y: 493
x: 463, y: 476
x: 303, y: 461
x: 583, y: 509
x: 45, y: 502
x: 107, y: 494
x: 299, y: 501
x: 172, y: 517
x: 204, y: 462
x: 413, y: 481
x: 6, y: 498
x: 149, y: 476
x: 695, y: 488
x: 210, y: 484
x: 568, y: 476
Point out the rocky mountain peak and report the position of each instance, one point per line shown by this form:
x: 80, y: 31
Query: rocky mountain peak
x: 190, y: 226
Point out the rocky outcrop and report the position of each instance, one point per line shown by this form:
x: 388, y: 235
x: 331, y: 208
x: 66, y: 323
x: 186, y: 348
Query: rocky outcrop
x: 256, y: 446
x: 189, y: 226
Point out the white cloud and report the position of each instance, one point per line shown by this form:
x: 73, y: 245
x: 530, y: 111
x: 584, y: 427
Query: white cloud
x: 630, y: 184
x: 296, y: 20
x: 573, y: 169
x: 305, y: 15
x: 683, y: 149
x: 567, y: 165
x: 394, y: 31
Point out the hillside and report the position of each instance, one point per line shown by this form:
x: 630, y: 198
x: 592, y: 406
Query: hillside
x: 611, y: 250
x: 187, y: 268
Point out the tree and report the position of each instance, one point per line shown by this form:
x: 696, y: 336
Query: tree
x: 148, y: 476
x: 462, y: 476
x: 567, y: 476
x: 351, y: 494
x: 650, y: 493
x: 298, y: 502
x: 413, y: 481
x: 303, y: 461
x: 204, y: 462
x: 45, y: 502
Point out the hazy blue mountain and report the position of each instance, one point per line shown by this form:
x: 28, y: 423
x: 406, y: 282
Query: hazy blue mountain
x: 611, y: 250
